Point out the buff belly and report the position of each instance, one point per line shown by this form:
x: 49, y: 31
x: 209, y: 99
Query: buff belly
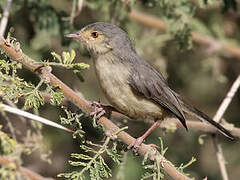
x: 113, y: 77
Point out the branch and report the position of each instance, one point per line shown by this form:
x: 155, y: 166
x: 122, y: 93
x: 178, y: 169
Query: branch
x: 191, y: 124
x: 198, y: 126
x: 220, y: 158
x: 34, y: 117
x: 28, y: 173
x: 4, y: 21
x: 227, y: 100
x: 155, y: 22
x: 218, y: 116
x: 107, y: 124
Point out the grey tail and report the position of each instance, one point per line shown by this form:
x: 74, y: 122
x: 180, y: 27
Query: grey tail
x: 202, y: 116
x: 205, y: 117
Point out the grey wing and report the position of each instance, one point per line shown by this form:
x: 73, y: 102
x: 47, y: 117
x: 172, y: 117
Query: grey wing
x: 146, y: 81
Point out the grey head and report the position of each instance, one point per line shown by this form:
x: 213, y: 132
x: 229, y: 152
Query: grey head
x: 102, y: 37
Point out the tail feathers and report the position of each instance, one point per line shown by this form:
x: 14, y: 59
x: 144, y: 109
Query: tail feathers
x: 202, y: 116
x: 205, y: 117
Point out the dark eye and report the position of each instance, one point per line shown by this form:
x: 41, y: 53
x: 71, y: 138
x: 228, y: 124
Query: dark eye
x: 94, y: 34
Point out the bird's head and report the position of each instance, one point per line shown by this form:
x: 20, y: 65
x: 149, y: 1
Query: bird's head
x: 101, y: 37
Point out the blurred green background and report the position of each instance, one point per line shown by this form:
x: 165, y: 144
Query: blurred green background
x: 202, y: 74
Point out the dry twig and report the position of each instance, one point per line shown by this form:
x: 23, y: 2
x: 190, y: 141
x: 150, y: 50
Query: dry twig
x: 223, y: 107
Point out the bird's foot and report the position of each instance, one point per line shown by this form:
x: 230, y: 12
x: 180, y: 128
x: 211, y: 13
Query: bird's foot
x: 135, y: 145
x: 99, y: 110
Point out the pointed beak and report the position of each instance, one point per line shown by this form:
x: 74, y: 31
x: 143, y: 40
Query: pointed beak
x: 74, y: 35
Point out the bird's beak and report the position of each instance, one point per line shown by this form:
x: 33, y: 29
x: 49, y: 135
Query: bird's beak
x: 74, y: 35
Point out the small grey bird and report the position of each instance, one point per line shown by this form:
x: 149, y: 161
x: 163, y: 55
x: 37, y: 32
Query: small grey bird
x: 132, y: 85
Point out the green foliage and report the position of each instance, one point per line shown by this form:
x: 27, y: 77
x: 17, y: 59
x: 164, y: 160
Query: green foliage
x: 153, y: 169
x: 201, y: 139
x: 178, y: 15
x: 14, y: 87
x: 9, y: 148
x: 56, y: 96
x: 95, y: 165
x: 73, y: 119
x: 34, y: 99
x: 66, y: 61
x: 44, y: 15
x: 7, y: 145
x: 182, y: 166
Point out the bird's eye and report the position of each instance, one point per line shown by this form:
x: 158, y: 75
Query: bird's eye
x: 94, y: 34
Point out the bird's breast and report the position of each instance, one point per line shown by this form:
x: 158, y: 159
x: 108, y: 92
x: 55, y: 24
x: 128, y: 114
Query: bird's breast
x: 113, y: 78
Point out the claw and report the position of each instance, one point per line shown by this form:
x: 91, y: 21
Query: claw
x: 99, y: 111
x: 135, y: 146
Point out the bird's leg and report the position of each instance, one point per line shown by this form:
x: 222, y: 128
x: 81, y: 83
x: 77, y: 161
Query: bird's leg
x: 101, y: 109
x: 135, y: 146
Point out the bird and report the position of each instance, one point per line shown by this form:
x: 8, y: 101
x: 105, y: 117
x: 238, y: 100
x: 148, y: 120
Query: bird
x: 132, y: 85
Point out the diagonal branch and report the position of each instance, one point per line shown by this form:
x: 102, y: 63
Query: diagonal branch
x: 221, y: 110
x: 155, y: 22
x: 107, y: 124
x: 227, y: 100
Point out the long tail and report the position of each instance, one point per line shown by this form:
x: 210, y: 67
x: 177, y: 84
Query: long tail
x: 192, y: 111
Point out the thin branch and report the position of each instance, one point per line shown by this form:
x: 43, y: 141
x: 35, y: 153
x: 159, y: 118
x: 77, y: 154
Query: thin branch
x: 155, y: 22
x: 218, y: 116
x: 191, y: 124
x: 33, y: 117
x: 79, y: 7
x: 220, y: 158
x: 73, y: 12
x: 198, y: 126
x: 76, y: 11
x: 4, y: 21
x: 107, y: 124
x: 227, y: 100
x: 28, y: 173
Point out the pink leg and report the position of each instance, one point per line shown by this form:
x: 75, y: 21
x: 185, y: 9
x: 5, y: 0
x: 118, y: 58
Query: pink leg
x: 135, y: 146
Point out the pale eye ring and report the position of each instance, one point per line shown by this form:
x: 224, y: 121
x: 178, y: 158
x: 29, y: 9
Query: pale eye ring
x: 94, y: 34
